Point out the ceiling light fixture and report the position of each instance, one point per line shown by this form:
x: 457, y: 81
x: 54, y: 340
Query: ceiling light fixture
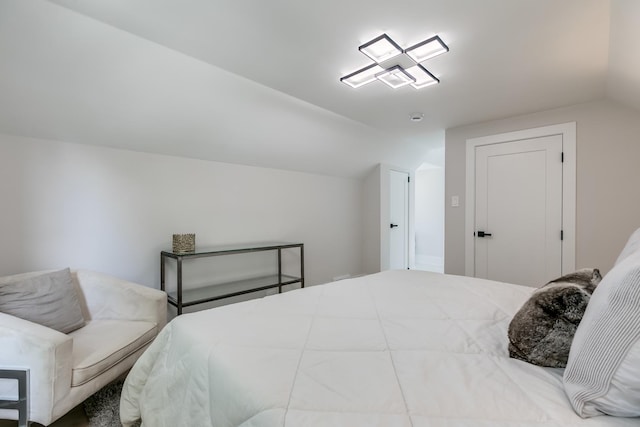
x: 363, y: 76
x: 383, y: 49
x: 395, y: 77
x: 427, y: 49
x: 423, y: 77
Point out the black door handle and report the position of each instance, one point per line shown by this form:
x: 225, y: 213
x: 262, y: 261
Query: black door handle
x: 393, y: 225
x: 483, y: 234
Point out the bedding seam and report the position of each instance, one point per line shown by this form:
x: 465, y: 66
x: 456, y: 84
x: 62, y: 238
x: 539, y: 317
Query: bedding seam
x: 302, y: 352
x: 393, y: 363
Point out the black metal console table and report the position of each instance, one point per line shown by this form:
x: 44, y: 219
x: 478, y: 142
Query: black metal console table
x: 181, y: 297
x: 21, y: 404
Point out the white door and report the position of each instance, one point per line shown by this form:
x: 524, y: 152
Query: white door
x: 398, y: 220
x: 518, y: 211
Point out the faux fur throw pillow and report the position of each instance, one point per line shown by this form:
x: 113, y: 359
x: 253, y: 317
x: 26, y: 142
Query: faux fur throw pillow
x: 542, y: 330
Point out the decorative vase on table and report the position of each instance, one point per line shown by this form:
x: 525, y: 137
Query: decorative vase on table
x: 183, y: 243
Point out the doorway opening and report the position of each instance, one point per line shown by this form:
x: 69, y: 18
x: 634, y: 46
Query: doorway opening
x: 429, y: 213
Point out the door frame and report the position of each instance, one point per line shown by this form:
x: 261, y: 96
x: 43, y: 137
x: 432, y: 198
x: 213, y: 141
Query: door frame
x: 568, y: 133
x: 406, y: 181
x: 385, y: 170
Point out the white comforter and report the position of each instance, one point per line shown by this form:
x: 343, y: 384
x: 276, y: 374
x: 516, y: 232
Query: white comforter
x: 398, y: 348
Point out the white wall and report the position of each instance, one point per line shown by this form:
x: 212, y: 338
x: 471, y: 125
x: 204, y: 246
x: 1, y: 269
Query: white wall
x: 114, y: 210
x: 372, y: 217
x: 429, y: 218
x: 607, y: 206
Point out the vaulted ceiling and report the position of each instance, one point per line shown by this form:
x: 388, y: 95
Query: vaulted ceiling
x: 257, y: 82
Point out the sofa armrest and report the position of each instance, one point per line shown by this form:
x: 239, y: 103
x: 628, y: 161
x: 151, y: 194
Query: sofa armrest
x: 112, y: 298
x: 47, y: 354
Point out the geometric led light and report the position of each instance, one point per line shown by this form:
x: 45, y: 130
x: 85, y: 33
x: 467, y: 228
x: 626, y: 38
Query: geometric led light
x: 396, y: 67
x: 363, y: 76
x: 396, y: 77
x: 427, y: 49
x: 381, y: 48
x: 423, y: 77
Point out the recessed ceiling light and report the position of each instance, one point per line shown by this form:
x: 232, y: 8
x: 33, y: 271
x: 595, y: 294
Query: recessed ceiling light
x: 416, y: 117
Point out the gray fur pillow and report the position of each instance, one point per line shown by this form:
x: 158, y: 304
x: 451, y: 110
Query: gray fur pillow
x: 542, y: 330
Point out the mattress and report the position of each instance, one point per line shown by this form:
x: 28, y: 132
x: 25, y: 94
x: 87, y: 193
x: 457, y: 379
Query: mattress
x: 397, y: 348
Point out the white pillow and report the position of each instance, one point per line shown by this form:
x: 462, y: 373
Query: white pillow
x: 603, y: 370
x: 633, y: 245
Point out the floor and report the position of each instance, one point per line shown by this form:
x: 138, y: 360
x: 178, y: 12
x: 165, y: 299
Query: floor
x: 429, y: 263
x: 75, y: 418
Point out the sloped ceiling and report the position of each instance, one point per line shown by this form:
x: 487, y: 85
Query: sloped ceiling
x: 257, y: 82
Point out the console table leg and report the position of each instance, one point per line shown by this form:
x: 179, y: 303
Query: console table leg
x: 22, y: 404
x: 302, y: 266
x: 279, y: 270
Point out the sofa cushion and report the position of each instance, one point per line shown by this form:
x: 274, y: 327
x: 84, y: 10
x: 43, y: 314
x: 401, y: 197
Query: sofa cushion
x: 102, y: 344
x: 49, y: 299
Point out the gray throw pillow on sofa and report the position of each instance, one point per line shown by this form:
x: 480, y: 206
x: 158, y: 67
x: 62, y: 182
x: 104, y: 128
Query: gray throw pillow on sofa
x: 542, y: 331
x: 49, y: 299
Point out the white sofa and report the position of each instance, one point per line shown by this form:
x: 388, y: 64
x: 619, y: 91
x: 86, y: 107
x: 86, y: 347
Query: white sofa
x: 122, y: 319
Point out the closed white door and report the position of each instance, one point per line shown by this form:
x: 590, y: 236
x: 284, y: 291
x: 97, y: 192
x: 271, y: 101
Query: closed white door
x: 398, y: 220
x: 518, y: 211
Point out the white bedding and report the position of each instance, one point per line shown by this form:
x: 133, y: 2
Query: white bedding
x: 398, y: 348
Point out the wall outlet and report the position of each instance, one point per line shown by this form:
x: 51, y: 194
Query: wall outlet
x: 455, y: 201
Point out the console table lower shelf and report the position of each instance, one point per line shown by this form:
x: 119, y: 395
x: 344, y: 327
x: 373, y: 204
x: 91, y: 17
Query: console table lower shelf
x: 217, y: 292
x: 182, y: 296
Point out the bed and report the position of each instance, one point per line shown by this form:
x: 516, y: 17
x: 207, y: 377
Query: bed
x: 396, y: 348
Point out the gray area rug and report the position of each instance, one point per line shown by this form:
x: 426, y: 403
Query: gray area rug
x: 103, y: 408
